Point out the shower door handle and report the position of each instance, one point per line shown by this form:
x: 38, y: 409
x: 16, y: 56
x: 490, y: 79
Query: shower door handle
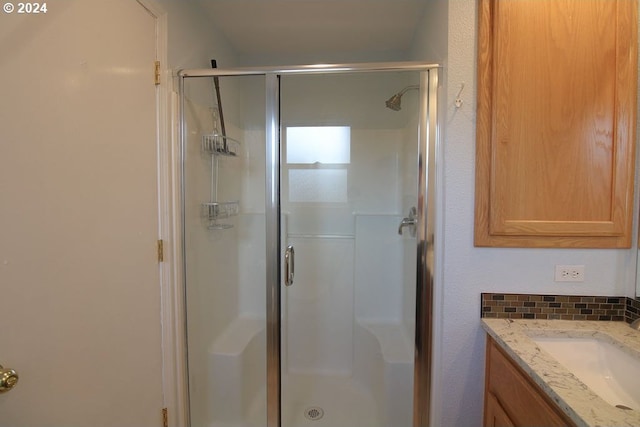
x: 289, y: 256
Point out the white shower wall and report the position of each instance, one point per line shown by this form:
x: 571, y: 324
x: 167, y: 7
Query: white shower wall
x: 379, y: 289
x: 206, y: 252
x: 251, y: 226
x: 319, y: 307
x: 382, y: 185
x: 216, y: 259
x: 358, y: 244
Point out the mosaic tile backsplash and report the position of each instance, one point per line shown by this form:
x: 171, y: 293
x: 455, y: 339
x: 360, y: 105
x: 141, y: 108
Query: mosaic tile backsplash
x: 633, y: 309
x: 565, y: 307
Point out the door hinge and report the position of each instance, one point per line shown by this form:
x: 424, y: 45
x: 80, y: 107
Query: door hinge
x: 160, y: 251
x: 165, y: 417
x: 156, y: 74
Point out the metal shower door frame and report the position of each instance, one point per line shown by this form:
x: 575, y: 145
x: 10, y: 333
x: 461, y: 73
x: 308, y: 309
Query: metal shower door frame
x: 428, y: 134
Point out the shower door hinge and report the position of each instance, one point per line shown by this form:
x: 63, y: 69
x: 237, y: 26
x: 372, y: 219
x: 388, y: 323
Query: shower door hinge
x: 165, y: 417
x: 156, y: 73
x: 160, y: 251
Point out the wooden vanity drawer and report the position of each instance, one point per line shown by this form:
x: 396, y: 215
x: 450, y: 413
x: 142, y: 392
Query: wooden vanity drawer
x: 523, y: 402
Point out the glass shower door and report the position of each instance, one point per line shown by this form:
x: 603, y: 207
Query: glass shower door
x: 223, y: 158
x: 349, y: 192
x: 308, y: 260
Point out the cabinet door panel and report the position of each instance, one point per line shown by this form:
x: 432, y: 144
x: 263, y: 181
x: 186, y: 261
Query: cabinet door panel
x: 556, y: 120
x: 521, y: 400
x: 494, y: 414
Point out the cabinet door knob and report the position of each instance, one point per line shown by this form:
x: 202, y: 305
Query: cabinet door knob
x: 8, y: 379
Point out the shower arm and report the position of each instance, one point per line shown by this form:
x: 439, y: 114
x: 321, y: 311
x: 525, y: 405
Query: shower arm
x: 408, y: 88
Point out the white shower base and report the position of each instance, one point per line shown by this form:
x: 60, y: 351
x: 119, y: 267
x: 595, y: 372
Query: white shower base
x: 345, y: 402
x: 378, y: 393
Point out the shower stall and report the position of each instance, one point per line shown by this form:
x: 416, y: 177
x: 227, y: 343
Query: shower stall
x: 308, y: 213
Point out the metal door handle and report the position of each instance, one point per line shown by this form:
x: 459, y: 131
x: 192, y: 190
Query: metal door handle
x: 289, y: 256
x: 8, y: 379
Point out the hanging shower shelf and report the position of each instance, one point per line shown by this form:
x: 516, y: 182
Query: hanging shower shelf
x: 214, y: 211
x: 220, y: 145
x: 217, y: 144
x: 218, y: 210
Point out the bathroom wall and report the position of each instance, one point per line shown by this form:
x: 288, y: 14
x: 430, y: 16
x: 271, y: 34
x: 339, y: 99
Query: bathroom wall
x: 468, y: 271
x: 192, y: 40
x: 430, y: 40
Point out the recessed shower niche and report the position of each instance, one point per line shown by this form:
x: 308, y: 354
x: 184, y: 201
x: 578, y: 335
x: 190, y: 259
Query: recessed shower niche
x: 324, y: 167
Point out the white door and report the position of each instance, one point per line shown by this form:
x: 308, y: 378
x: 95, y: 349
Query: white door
x: 79, y: 281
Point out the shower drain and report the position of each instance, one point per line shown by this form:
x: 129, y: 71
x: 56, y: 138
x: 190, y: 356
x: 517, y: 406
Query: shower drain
x: 313, y: 413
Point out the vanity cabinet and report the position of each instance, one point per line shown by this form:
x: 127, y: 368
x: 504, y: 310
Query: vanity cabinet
x: 494, y: 415
x: 512, y: 398
x: 556, y: 119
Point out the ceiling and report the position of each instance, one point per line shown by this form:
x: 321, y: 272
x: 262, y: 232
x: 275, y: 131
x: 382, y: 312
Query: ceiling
x: 282, y: 27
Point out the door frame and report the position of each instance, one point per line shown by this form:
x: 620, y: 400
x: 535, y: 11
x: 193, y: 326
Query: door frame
x: 429, y: 173
x: 175, y: 403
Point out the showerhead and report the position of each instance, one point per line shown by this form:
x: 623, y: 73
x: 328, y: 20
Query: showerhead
x: 395, y: 101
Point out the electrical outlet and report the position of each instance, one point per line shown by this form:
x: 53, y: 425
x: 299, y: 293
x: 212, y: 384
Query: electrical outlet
x: 569, y: 273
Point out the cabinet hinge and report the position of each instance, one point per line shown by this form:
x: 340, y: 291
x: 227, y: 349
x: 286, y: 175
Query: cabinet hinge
x: 165, y: 417
x: 160, y: 251
x: 156, y: 70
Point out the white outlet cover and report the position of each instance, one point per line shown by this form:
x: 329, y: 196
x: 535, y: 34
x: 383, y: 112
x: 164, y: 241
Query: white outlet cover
x: 569, y: 273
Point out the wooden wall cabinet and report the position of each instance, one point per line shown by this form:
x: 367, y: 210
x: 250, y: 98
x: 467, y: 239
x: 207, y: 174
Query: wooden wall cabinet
x: 556, y: 119
x: 512, y: 399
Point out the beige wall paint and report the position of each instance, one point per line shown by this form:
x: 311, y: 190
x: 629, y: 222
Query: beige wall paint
x: 193, y: 41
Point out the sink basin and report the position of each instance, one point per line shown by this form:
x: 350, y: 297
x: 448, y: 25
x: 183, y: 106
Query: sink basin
x: 608, y: 370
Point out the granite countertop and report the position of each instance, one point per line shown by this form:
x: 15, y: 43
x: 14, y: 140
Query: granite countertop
x: 572, y: 396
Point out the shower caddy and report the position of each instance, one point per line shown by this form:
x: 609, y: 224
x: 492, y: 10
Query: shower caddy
x: 218, y: 144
